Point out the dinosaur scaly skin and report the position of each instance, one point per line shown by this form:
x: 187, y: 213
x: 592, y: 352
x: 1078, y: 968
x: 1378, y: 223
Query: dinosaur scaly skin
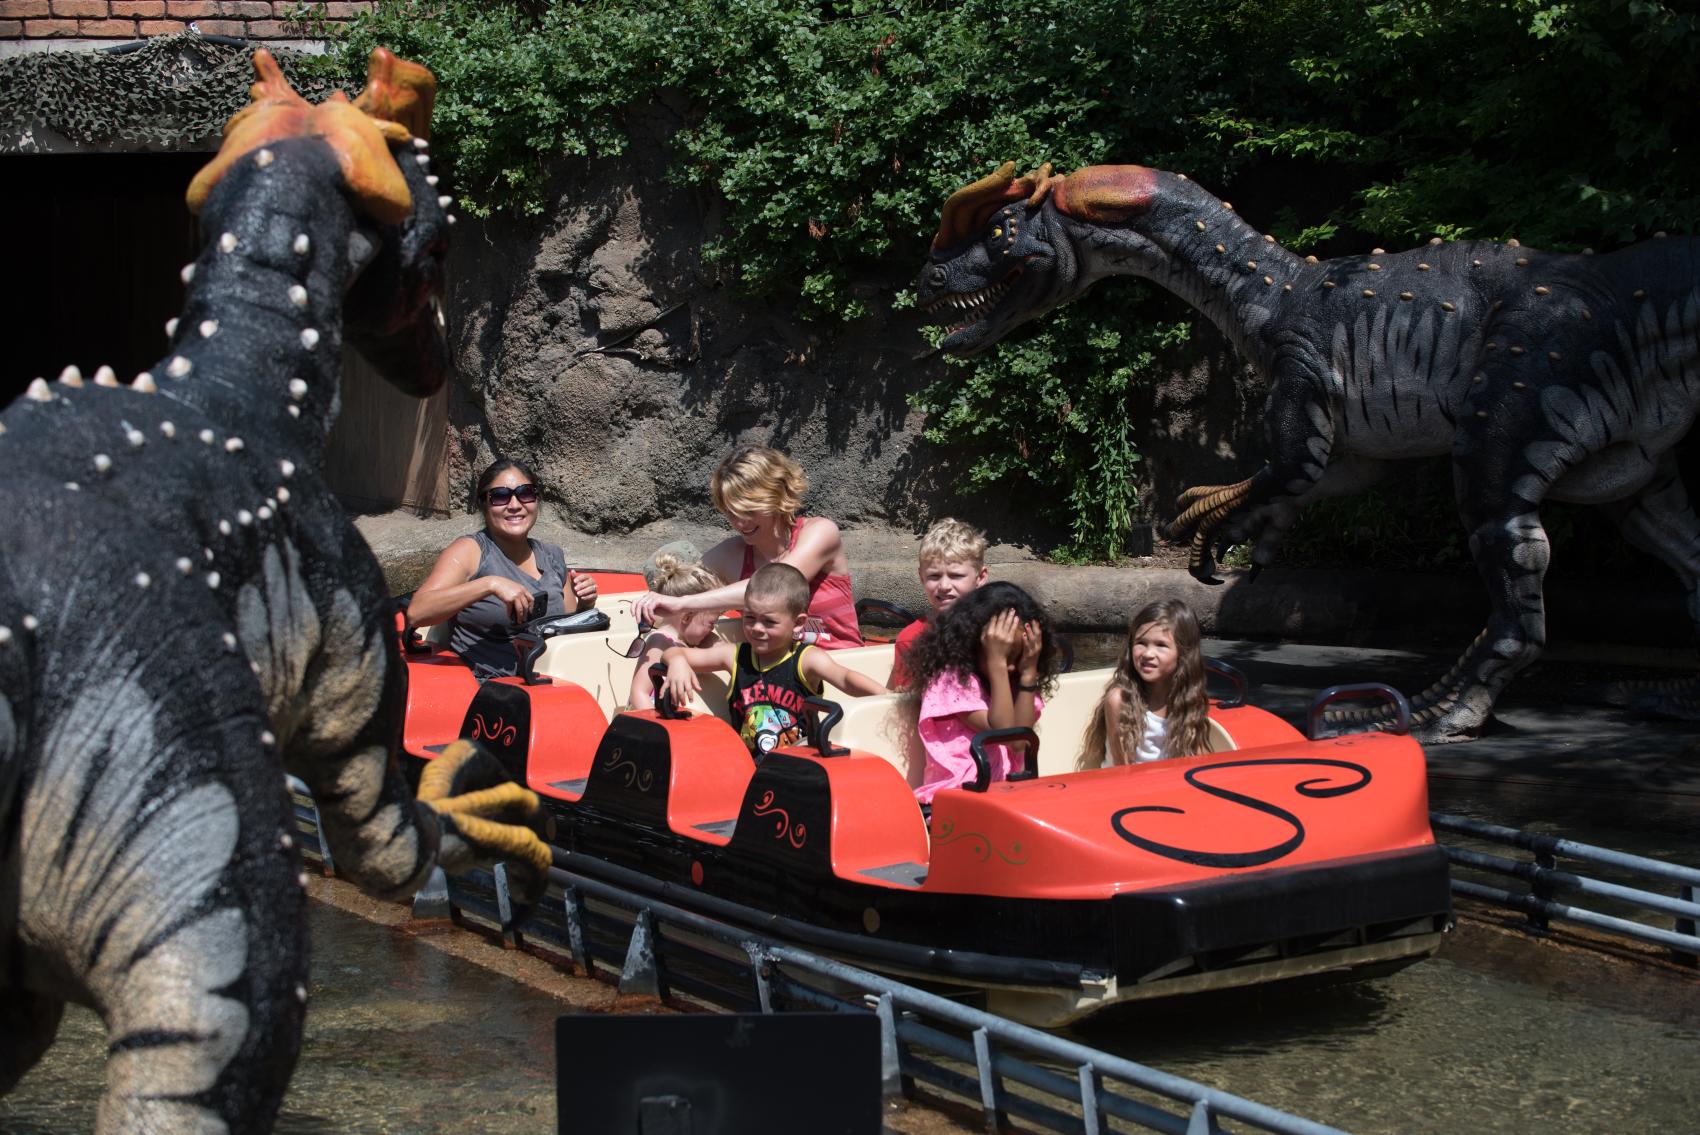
x: 1545, y: 376
x: 186, y: 613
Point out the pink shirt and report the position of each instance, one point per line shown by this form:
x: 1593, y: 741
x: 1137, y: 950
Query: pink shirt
x: 945, y: 736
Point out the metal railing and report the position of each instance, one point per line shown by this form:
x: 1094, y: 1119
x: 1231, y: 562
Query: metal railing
x: 1010, y: 1070
x: 1546, y: 880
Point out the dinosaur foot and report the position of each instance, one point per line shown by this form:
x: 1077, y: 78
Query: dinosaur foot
x: 1205, y: 509
x: 1677, y: 698
x: 485, y: 816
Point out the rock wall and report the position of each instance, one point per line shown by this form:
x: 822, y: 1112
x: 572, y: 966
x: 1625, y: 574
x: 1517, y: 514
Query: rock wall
x: 595, y: 344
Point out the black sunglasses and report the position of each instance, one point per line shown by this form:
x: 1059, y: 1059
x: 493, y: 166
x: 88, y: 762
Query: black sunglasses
x: 501, y: 495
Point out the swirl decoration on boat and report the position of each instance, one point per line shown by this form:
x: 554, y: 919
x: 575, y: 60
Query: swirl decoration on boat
x: 796, y: 836
x: 617, y: 761
x: 1316, y: 787
x: 499, y: 731
x: 981, y: 848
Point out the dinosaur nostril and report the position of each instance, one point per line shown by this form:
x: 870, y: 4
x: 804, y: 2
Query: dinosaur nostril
x: 936, y: 277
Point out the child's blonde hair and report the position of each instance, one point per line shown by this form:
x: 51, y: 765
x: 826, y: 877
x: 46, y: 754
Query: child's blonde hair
x: 757, y: 479
x: 952, y: 539
x: 671, y: 575
x: 1189, y: 704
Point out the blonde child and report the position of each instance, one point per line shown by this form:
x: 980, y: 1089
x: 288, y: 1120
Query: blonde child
x: 771, y: 671
x: 984, y: 664
x: 1154, y: 705
x: 953, y: 563
x: 668, y: 574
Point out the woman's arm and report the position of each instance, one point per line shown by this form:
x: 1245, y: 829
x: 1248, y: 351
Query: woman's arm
x: 724, y: 560
x: 820, y: 668
x: 817, y: 548
x: 451, y: 588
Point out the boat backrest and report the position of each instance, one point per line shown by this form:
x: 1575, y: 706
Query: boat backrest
x: 885, y: 726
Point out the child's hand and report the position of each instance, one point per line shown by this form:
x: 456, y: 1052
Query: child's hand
x: 682, y: 682
x: 1000, y: 643
x: 1032, y: 646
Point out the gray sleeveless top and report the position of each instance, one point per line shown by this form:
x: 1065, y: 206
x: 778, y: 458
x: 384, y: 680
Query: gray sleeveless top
x: 482, y: 633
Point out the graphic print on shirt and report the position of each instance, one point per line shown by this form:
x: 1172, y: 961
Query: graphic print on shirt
x: 768, y: 704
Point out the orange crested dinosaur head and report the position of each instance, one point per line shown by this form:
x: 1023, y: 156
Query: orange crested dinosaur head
x: 394, y: 107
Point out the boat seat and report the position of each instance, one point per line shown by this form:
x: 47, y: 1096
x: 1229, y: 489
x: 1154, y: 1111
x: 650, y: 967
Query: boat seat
x: 811, y: 816
x: 598, y: 663
x: 439, y: 688
x: 539, y: 733
x: 635, y: 774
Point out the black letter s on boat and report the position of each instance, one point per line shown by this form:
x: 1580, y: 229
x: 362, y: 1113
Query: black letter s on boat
x: 1242, y: 858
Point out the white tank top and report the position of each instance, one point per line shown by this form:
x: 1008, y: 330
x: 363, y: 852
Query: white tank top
x: 1150, y: 747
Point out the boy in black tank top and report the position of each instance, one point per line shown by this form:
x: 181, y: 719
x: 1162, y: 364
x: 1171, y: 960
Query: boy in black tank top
x: 771, y: 672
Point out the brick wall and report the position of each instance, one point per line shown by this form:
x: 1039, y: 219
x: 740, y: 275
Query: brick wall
x: 132, y: 19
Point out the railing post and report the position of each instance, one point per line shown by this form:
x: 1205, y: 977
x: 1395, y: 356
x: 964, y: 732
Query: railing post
x: 891, y: 1060
x: 1686, y: 926
x: 504, y: 907
x: 573, y: 903
x: 1203, y: 1121
x: 1539, y: 890
x: 759, y: 973
x: 432, y: 900
x: 1090, y: 1082
x: 991, y: 1086
x: 640, y: 973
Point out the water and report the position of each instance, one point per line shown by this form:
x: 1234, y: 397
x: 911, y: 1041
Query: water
x: 1499, y: 1033
x: 401, y: 1037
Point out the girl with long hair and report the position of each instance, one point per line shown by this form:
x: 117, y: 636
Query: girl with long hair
x: 1154, y: 705
x: 985, y: 664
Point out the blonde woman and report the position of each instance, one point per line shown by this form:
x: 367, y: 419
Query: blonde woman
x: 760, y: 493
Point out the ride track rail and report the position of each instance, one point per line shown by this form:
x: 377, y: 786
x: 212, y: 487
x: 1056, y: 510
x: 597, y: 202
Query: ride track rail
x: 1011, y: 1070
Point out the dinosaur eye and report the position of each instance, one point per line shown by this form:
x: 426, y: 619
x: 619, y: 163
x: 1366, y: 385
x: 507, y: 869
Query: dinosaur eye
x: 997, y: 232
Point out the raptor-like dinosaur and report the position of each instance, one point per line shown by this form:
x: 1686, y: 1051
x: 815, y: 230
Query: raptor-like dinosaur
x: 1545, y: 376
x: 186, y: 613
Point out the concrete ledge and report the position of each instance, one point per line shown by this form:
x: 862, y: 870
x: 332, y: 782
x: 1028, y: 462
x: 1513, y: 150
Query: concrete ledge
x: 1337, y: 607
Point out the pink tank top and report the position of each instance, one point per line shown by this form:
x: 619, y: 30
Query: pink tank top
x: 831, y: 624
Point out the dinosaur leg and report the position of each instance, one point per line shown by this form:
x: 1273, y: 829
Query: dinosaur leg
x: 1300, y: 434
x: 1660, y: 520
x: 156, y: 882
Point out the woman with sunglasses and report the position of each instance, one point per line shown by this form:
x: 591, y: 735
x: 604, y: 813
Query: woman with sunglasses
x: 488, y: 583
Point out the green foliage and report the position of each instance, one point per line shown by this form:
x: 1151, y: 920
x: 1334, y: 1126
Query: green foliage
x: 832, y: 131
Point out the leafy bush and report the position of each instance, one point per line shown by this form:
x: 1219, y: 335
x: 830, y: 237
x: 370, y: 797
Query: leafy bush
x: 833, y: 130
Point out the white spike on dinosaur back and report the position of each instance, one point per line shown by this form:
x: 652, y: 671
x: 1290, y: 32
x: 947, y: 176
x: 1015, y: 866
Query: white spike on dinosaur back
x: 39, y: 391
x: 227, y: 242
x: 105, y: 376
x: 71, y: 377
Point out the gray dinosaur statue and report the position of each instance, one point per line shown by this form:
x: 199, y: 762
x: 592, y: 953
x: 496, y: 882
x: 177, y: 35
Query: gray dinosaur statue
x: 1544, y: 376
x: 186, y: 613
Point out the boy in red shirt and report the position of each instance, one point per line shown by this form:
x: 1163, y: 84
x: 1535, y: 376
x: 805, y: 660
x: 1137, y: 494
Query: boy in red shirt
x: 953, y: 563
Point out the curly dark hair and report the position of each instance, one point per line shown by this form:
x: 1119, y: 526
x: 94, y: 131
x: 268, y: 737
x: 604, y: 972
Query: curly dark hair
x: 952, y: 643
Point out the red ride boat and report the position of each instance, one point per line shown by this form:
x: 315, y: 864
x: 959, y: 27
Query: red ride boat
x: 1274, y: 856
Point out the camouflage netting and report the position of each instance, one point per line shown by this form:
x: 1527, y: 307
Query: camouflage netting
x: 173, y: 92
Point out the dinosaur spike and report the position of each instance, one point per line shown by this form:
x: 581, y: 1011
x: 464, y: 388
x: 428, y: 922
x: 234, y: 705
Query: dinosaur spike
x: 1516, y: 350
x: 244, y: 517
x: 297, y: 389
x: 287, y: 468
x: 1435, y: 240
x: 72, y: 487
x: 1221, y: 248
x: 282, y: 495
x: 184, y: 565
x: 1405, y: 295
x: 213, y: 580
x: 1639, y: 293
x: 309, y: 338
x: 1228, y: 205
x: 263, y: 513
x: 224, y: 528
x: 449, y: 218
x: 186, y: 273
x: 1310, y: 259
x: 1554, y: 356
x: 1447, y: 305
x: 301, y: 244
x: 1252, y: 264
x: 38, y: 391
x: 171, y: 327
x: 295, y: 411
x: 1422, y: 267
x: 1377, y: 251
x: 102, y: 463
x: 432, y: 180
x: 445, y: 201
x: 1328, y: 283
x: 143, y: 579
x: 421, y: 144
x: 1268, y: 279
x: 179, y: 366
x: 105, y: 376
x: 208, y: 328
x: 1267, y: 239
x: 207, y: 437
x: 298, y: 295
x: 264, y: 157
x: 1475, y: 263
x: 232, y: 445
x: 1519, y: 386
x: 227, y: 242
x: 1373, y: 267
x: 1542, y: 291
x: 168, y: 429
x: 1513, y: 243
x: 1286, y: 287
x: 1199, y: 225
x: 134, y: 436
x: 422, y: 159
x: 1369, y: 293
x: 5, y: 634
x: 1522, y: 262
x: 31, y: 622
x: 1587, y: 315
x: 71, y: 377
